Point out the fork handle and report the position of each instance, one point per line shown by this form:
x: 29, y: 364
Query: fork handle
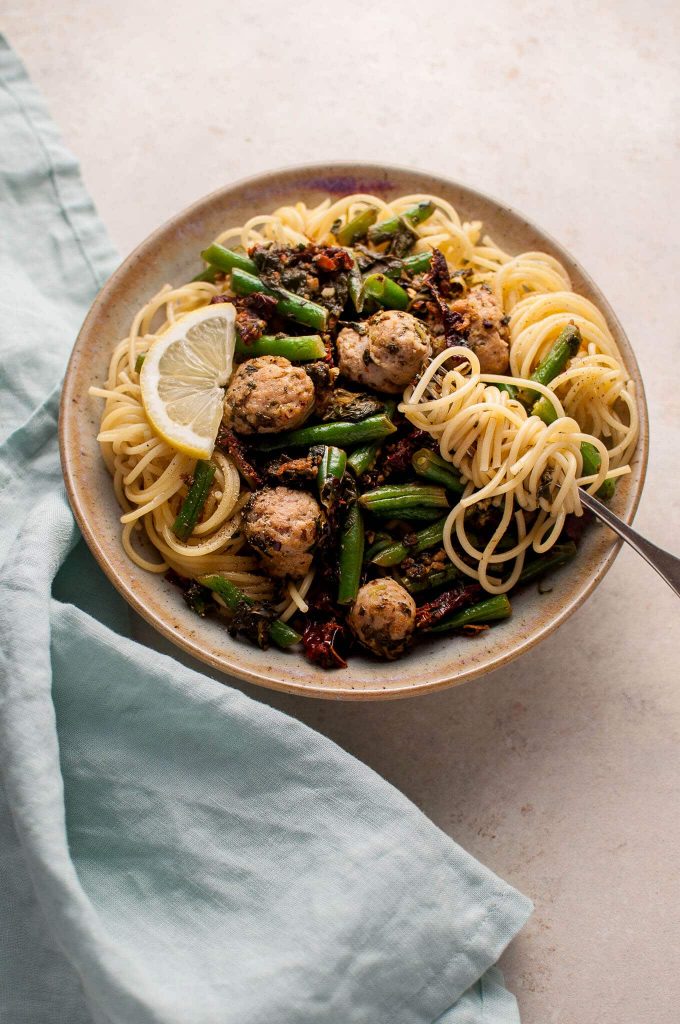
x: 666, y: 564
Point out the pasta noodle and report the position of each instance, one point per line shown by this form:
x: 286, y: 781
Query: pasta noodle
x: 506, y: 456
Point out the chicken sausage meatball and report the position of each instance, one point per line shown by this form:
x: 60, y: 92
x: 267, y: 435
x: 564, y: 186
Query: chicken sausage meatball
x: 267, y: 395
x: 483, y: 329
x: 386, y: 352
x: 284, y: 527
x: 383, y: 617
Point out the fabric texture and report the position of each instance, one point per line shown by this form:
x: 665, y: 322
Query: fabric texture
x: 170, y: 850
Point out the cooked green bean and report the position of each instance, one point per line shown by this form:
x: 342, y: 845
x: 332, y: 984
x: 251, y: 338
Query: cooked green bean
x: 387, y: 293
x: 409, y: 515
x: 432, y: 466
x: 558, y: 555
x: 418, y: 262
x: 510, y: 388
x: 227, y: 260
x: 430, y: 580
x: 591, y: 458
x: 545, y: 410
x: 330, y: 474
x: 385, y: 230
x: 304, y: 349
x: 289, y: 305
x: 281, y: 633
x: 411, y: 265
x: 357, y: 228
x: 491, y: 610
x: 563, y: 349
x: 210, y: 274
x: 398, y: 551
x: 343, y: 434
x: 394, y: 497
x: 351, y: 555
x: 591, y: 465
x: 192, y: 505
x: 362, y: 459
x: 380, y: 542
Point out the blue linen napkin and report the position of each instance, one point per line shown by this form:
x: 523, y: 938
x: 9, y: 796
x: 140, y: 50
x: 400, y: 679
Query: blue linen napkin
x: 170, y: 850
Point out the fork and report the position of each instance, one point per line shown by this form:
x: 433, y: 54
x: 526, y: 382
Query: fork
x: 666, y: 564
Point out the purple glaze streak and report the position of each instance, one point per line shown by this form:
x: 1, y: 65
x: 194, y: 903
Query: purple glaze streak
x: 346, y: 184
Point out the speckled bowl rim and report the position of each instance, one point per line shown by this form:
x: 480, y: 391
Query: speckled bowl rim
x: 334, y: 685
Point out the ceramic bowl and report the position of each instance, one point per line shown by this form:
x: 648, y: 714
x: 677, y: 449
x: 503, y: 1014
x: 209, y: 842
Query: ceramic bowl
x: 171, y: 255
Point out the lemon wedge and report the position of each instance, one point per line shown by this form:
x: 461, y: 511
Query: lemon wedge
x: 183, y: 376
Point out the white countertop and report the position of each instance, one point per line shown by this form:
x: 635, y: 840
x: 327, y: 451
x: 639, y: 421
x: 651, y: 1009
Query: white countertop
x: 561, y: 771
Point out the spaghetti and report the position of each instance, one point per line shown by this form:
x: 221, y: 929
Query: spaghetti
x: 506, y: 456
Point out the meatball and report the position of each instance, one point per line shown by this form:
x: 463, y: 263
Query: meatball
x: 284, y: 527
x: 483, y: 329
x: 386, y: 352
x: 383, y: 617
x: 266, y: 395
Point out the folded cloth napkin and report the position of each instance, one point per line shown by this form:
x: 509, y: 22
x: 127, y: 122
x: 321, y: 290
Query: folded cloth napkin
x: 170, y: 850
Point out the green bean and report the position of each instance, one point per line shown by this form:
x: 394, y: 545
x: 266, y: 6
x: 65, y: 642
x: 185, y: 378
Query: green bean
x: 408, y: 515
x: 303, y: 349
x: 385, y: 230
x: 330, y: 473
x: 591, y: 465
x: 490, y: 610
x: 192, y: 505
x: 510, y: 388
x: 591, y: 458
x: 362, y: 459
x: 394, y: 497
x: 558, y: 555
x: 357, y: 228
x: 280, y: 632
x: 283, y: 635
x: 411, y: 265
x: 380, y: 542
x: 232, y: 595
x: 432, y: 466
x: 563, y: 349
x: 385, y: 292
x: 351, y: 555
x: 227, y: 260
x: 418, y: 262
x: 210, y: 274
x: 545, y: 410
x: 289, y: 305
x: 343, y: 434
x: 139, y: 362
x: 431, y: 580
x: 398, y: 551
x: 607, y: 489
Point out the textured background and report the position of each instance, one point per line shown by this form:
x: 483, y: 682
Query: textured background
x: 562, y: 772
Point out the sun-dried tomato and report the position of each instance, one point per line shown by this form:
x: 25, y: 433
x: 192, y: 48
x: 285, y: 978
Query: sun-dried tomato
x: 450, y: 601
x: 329, y: 259
x: 395, y: 457
x: 229, y: 443
x: 323, y: 642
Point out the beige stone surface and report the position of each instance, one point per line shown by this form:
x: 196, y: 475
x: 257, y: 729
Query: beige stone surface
x: 562, y: 771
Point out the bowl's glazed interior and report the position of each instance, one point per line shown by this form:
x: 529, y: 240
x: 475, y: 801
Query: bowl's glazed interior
x: 171, y: 255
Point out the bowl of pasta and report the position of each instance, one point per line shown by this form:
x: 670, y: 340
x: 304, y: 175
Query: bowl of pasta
x: 327, y: 430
